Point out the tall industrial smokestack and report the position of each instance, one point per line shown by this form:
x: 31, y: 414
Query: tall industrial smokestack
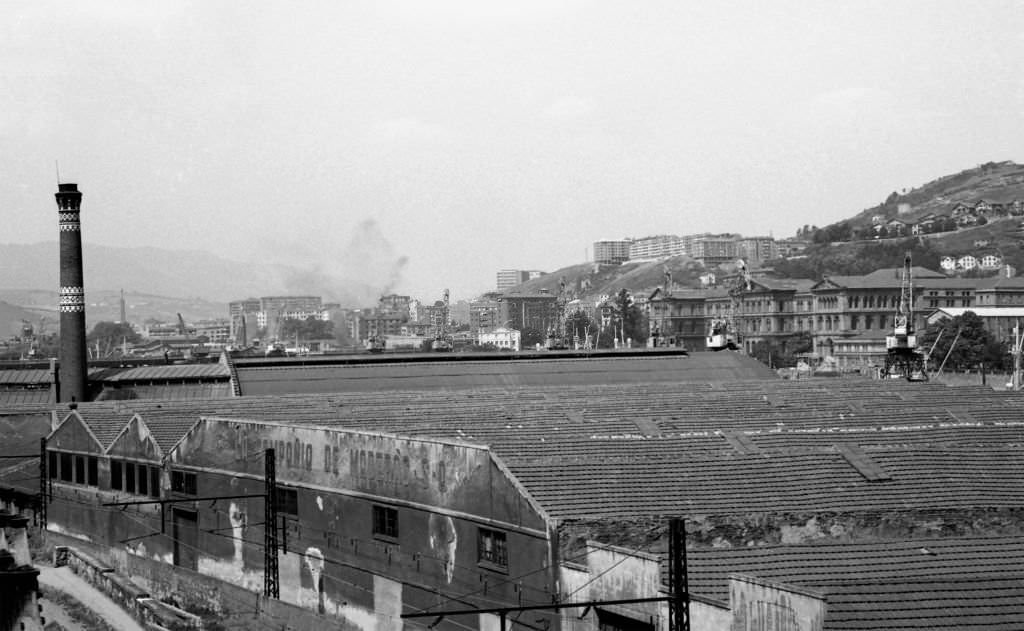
x: 73, y: 375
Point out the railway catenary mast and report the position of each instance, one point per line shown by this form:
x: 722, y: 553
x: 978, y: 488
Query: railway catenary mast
x: 902, y: 359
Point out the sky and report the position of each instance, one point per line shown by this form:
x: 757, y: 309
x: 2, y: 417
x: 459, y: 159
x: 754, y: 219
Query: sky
x: 432, y: 143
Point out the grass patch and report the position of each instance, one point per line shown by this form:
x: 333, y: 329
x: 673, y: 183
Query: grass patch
x: 76, y: 610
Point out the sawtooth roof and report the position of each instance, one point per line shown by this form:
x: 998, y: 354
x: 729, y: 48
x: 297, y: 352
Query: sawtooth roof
x: 588, y: 452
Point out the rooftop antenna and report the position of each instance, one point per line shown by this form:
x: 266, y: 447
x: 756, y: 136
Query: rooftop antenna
x: 56, y: 165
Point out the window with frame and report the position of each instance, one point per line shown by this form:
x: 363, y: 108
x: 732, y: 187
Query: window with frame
x: 288, y: 501
x: 385, y: 522
x: 65, y: 468
x: 183, y: 482
x: 492, y: 548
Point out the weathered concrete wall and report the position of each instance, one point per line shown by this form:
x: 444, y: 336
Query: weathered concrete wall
x: 433, y: 473
x: 573, y: 582
x: 707, y: 616
x: 332, y: 562
x: 136, y: 443
x: 231, y: 604
x: 760, y: 605
x: 73, y: 436
x: 621, y: 573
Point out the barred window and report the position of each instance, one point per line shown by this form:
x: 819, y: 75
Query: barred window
x: 492, y: 547
x: 385, y: 521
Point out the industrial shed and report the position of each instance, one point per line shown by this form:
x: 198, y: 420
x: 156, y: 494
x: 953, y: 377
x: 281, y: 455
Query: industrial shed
x: 753, y: 465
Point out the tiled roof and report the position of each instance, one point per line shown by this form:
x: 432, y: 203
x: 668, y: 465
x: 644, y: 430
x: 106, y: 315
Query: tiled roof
x: 940, y: 583
x: 987, y: 603
x: 606, y: 451
x: 105, y: 422
x: 459, y: 373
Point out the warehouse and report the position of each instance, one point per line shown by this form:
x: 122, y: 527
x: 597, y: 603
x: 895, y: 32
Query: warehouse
x: 560, y: 472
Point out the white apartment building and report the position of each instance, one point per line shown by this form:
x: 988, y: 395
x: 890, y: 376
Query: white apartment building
x: 500, y: 337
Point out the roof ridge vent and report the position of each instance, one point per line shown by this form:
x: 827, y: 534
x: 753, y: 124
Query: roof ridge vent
x: 648, y: 426
x: 742, y: 443
x: 859, y: 460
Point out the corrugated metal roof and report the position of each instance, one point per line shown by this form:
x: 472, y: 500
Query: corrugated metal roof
x: 10, y: 398
x: 25, y: 376
x: 170, y: 372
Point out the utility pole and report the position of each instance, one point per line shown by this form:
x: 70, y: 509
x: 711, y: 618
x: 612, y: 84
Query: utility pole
x: 45, y: 488
x: 271, y: 577
x: 678, y: 585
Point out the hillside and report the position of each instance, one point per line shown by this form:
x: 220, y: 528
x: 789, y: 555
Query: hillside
x: 992, y: 181
x: 590, y: 280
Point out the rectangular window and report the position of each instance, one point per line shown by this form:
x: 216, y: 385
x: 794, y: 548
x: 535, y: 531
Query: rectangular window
x: 154, y: 482
x: 94, y: 474
x: 143, y: 480
x: 288, y: 501
x: 80, y: 469
x: 51, y: 457
x: 115, y: 475
x: 65, y: 467
x: 492, y: 548
x: 129, y: 477
x: 385, y: 522
x: 182, y: 482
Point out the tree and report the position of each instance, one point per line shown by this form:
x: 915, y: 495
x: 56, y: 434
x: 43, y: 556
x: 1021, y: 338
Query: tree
x: 312, y: 328
x: 975, y: 347
x: 627, y: 322
x: 579, y: 324
x: 111, y: 335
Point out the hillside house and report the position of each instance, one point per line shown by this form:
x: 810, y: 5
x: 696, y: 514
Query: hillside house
x: 948, y: 263
x: 990, y: 261
x: 967, y: 262
x: 896, y: 228
x: 961, y: 209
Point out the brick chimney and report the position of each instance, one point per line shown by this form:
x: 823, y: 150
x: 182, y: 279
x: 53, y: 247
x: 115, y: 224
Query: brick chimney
x: 73, y: 376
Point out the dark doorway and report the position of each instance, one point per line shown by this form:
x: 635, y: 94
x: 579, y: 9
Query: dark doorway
x: 186, y: 538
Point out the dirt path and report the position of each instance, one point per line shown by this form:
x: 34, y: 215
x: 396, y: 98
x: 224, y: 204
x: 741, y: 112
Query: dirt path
x: 64, y: 580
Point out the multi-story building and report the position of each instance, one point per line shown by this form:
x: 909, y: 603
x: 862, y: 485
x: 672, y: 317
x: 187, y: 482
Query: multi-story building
x: 757, y: 248
x: 714, y: 249
x: 612, y: 251
x: 527, y: 311
x: 485, y: 311
x: 659, y: 246
x: 216, y: 331
x: 394, y: 304
x: 501, y: 337
x: 508, y: 278
x: 282, y: 304
x: 677, y: 317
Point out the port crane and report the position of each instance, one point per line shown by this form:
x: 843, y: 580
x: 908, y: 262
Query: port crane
x: 902, y: 358
x: 724, y: 331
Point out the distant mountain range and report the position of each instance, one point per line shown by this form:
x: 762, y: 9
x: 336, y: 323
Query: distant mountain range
x: 158, y: 283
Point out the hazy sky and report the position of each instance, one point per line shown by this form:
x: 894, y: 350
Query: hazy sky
x: 481, y: 136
